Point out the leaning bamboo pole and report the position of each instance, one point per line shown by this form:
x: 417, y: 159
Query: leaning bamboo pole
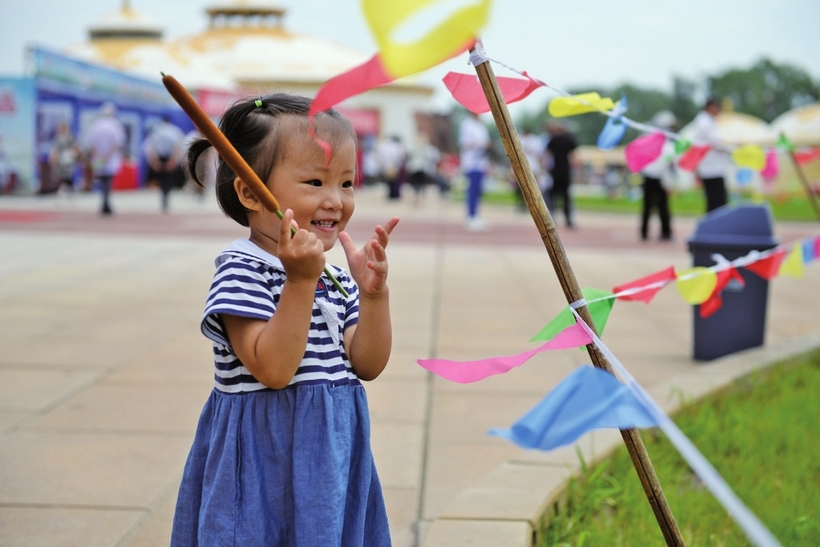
x: 549, y: 235
x: 802, y: 176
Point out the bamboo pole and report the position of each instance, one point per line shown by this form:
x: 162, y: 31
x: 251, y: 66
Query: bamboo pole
x: 802, y: 176
x: 549, y: 235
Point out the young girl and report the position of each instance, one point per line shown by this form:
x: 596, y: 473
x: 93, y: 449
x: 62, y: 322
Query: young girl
x: 281, y: 455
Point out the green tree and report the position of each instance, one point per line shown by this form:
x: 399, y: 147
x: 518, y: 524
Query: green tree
x: 765, y: 90
x: 683, y: 104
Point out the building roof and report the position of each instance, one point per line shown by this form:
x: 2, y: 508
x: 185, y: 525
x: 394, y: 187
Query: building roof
x: 246, y: 44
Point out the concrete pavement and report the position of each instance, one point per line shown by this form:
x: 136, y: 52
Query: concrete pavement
x: 103, y: 371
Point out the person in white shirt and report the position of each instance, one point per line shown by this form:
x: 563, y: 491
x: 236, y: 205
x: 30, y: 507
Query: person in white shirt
x: 474, y: 143
x: 658, y: 178
x: 712, y: 168
x: 163, y: 150
x: 104, y: 144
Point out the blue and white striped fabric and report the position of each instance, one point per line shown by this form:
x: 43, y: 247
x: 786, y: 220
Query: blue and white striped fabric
x: 248, y: 283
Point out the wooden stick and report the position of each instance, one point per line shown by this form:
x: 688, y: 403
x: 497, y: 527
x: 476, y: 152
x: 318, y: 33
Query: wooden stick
x: 572, y: 292
x: 802, y: 176
x: 228, y: 153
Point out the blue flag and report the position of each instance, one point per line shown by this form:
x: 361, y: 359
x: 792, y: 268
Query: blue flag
x: 587, y: 399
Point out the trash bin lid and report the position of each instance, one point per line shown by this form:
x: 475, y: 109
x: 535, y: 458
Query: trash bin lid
x: 736, y: 226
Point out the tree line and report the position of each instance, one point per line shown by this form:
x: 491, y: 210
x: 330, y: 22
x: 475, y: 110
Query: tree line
x: 764, y: 90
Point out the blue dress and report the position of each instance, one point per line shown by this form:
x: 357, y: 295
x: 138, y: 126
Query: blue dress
x: 289, y: 467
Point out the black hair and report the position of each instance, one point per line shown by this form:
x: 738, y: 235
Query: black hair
x: 254, y: 128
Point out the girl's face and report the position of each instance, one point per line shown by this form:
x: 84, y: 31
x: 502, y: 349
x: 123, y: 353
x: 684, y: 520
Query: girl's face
x: 320, y: 193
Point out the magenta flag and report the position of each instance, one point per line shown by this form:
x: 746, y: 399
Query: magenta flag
x: 358, y: 79
x: 644, y: 150
x: 465, y: 372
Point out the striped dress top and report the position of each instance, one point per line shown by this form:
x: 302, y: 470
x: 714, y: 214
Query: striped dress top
x: 248, y: 282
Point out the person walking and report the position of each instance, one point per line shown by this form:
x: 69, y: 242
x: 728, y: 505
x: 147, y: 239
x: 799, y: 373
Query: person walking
x: 163, y: 149
x: 392, y: 159
x: 561, y: 147
x: 712, y: 168
x: 282, y: 454
x: 657, y: 179
x: 104, y: 144
x: 474, y: 145
x: 422, y: 165
x: 63, y: 158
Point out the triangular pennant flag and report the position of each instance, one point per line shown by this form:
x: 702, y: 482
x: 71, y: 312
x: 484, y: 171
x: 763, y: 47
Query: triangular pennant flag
x: 793, y: 264
x: 715, y: 301
x: 395, y: 27
x: 357, y: 80
x: 809, y: 252
x: 561, y: 107
x: 614, y: 129
x: 465, y: 372
x: 749, y: 155
x: 645, y: 288
x: 589, y: 398
x: 807, y: 156
x: 681, y: 146
x: 467, y: 90
x: 599, y: 307
x: 696, y: 284
x: 690, y: 159
x: 768, y: 267
x: 784, y: 143
x: 772, y: 167
x: 644, y: 150
x: 817, y: 247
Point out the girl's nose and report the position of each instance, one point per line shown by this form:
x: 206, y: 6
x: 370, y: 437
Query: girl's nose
x: 333, y: 199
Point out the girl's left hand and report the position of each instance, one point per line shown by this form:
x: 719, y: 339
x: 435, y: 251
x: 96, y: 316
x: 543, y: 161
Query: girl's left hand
x: 368, y: 265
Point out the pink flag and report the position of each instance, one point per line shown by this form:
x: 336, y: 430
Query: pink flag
x: 465, y: 372
x: 768, y: 267
x: 715, y: 301
x: 691, y: 158
x: 644, y: 150
x: 466, y: 89
x: 357, y: 80
x: 645, y: 288
x: 772, y: 167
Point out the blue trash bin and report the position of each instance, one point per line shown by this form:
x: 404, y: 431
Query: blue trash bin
x: 740, y: 323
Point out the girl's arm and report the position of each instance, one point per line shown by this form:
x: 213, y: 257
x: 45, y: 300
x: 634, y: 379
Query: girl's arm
x: 272, y: 350
x: 369, y: 342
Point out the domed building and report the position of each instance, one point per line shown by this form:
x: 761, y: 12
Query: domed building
x: 247, y: 50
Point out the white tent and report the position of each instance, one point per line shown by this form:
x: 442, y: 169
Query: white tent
x: 800, y: 125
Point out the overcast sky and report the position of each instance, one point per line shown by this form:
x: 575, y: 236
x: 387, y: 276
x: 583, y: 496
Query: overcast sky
x: 566, y: 43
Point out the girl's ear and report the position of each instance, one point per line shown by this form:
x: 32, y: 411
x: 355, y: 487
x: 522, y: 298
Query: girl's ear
x: 246, y: 196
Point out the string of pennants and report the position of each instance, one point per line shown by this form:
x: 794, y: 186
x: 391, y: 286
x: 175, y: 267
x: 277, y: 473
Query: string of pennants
x: 466, y: 89
x: 698, y: 286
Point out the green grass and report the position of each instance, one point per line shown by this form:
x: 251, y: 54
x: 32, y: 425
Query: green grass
x: 761, y: 434
x: 684, y: 204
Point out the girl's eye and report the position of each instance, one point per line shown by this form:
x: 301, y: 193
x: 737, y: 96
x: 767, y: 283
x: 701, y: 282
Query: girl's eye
x: 347, y: 184
x: 314, y: 182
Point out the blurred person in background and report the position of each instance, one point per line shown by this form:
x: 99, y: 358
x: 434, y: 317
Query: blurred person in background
x: 163, y: 149
x: 474, y: 145
x: 712, y: 168
x: 63, y: 158
x: 561, y: 148
x: 104, y: 144
x: 657, y: 179
x: 422, y: 165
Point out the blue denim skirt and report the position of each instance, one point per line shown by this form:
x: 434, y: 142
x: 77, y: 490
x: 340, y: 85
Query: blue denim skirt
x: 289, y: 468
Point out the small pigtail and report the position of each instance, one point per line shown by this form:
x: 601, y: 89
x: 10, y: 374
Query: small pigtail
x: 194, y: 152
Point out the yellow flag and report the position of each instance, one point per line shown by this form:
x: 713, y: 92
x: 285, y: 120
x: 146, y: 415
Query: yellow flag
x: 793, y: 264
x: 561, y: 107
x: 414, y: 35
x: 696, y: 284
x: 751, y: 156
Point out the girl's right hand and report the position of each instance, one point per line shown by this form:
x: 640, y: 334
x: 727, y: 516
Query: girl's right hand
x: 302, y: 253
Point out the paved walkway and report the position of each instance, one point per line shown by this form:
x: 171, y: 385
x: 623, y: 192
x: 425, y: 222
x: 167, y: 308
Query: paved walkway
x: 103, y: 371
